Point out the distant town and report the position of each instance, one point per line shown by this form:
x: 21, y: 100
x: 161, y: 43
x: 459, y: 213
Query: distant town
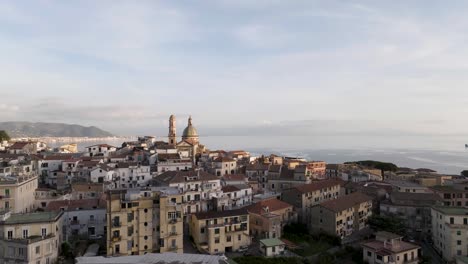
x: 172, y: 199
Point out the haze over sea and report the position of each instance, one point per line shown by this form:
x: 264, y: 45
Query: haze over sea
x: 445, y: 154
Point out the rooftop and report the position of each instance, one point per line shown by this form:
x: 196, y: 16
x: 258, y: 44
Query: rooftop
x: 271, y: 242
x: 38, y: 217
x: 273, y: 205
x: 345, y: 202
x: 451, y: 210
x: 318, y: 185
x: 76, y: 205
x: 156, y: 258
x: 220, y: 214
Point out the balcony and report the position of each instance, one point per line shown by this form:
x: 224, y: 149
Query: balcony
x: 75, y: 222
x: 31, y: 239
x: 173, y: 248
x: 116, y: 224
x: 174, y: 220
x: 92, y: 222
x: 173, y: 234
x: 116, y: 238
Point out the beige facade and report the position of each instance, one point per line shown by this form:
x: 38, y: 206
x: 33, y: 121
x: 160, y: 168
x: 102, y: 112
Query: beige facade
x: 219, y: 232
x: 268, y: 217
x: 450, y: 231
x: 390, y: 248
x: 455, y: 195
x: 144, y: 221
x: 304, y: 197
x: 342, y: 216
x: 17, y: 193
x: 33, y: 238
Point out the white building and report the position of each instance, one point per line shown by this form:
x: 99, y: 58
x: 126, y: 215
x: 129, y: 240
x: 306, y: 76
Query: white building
x: 450, y: 231
x: 102, y: 173
x: 198, y: 188
x: 81, y: 217
x: 172, y: 162
x: 271, y: 247
x: 131, y: 175
x: 99, y: 150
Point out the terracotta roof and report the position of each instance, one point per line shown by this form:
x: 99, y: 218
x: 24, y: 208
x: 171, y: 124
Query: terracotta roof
x: 273, y: 205
x: 275, y: 168
x: 73, y: 205
x: 101, y: 145
x: 258, y: 166
x: 169, y: 177
x: 230, y: 188
x: 87, y: 187
x: 345, y: 202
x: 19, y: 145
x: 58, y: 157
x: 168, y: 156
x: 224, y: 159
x: 318, y: 185
x: 234, y: 177
x: 219, y: 214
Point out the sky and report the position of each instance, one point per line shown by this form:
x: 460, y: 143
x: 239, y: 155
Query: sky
x: 237, y: 66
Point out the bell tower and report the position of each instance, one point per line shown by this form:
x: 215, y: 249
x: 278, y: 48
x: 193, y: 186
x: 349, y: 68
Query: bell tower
x: 172, y: 130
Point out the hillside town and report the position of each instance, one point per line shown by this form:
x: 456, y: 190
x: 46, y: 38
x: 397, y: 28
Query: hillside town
x: 173, y: 200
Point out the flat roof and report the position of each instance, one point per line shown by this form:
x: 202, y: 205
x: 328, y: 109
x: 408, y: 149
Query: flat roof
x: 271, y: 242
x: 451, y: 210
x: 32, y: 218
x: 155, y: 258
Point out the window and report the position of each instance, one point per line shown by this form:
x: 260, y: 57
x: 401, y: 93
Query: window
x: 38, y: 249
x: 10, y: 234
x: 44, y: 232
x: 228, y: 238
x: 202, y: 230
x: 25, y: 233
x: 21, y: 252
x: 459, y: 242
x: 451, y: 220
x: 239, y: 237
x: 217, y: 240
x: 369, y: 254
x: 458, y: 233
x: 216, y: 231
x: 11, y: 251
x: 273, y: 249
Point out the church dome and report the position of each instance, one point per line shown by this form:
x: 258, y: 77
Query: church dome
x: 190, y: 131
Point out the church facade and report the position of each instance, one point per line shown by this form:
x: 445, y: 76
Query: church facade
x: 189, y: 143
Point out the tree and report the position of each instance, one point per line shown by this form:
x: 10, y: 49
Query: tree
x: 389, y: 224
x: 464, y: 173
x: 4, y: 136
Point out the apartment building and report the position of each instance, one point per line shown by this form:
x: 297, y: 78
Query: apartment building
x: 408, y: 186
x: 413, y: 208
x: 104, y: 150
x: 450, y: 231
x: 17, y: 193
x: 237, y: 195
x: 390, y: 248
x: 131, y: 175
x: 217, y: 232
x: 172, y: 162
x: 453, y: 195
x: 342, y: 216
x: 197, y: 188
x: 33, y: 238
x: 81, y: 217
x: 305, y: 196
x: 141, y: 221
x: 268, y: 217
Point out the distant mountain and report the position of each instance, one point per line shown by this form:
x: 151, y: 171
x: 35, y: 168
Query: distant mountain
x: 29, y: 129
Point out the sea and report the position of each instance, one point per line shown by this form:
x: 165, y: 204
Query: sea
x: 445, y: 154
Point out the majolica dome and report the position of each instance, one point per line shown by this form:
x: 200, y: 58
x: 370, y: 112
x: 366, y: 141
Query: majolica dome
x: 190, y: 131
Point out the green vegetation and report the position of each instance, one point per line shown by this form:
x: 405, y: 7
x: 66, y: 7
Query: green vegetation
x: 383, y: 166
x: 66, y: 251
x: 309, y: 244
x: 277, y: 260
x: 464, y: 173
x: 4, y: 136
x: 389, y: 224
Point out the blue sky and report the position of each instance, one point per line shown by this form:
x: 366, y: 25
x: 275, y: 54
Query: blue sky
x: 125, y: 66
